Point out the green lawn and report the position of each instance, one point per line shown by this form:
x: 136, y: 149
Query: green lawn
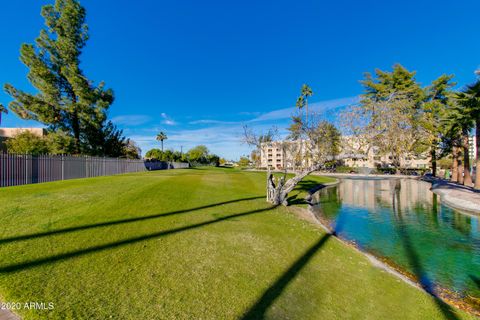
x: 185, y: 244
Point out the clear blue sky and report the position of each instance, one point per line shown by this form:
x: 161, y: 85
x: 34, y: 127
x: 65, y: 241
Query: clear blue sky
x: 200, y: 69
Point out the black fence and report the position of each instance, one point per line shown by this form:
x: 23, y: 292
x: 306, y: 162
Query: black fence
x: 18, y: 169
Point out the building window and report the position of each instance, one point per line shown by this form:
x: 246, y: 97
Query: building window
x: 278, y: 155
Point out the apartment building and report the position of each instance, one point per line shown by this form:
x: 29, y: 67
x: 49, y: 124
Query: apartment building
x: 281, y: 154
x: 6, y: 133
x: 472, y: 146
x: 272, y: 154
x: 373, y: 160
x: 11, y: 132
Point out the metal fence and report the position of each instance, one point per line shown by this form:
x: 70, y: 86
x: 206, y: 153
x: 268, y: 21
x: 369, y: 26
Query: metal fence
x: 18, y: 169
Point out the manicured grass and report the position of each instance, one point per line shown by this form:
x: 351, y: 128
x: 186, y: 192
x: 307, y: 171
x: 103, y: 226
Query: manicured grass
x: 185, y: 244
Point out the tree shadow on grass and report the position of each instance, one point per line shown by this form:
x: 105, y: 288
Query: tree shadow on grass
x: 413, y: 257
x: 59, y: 257
x: 307, y: 186
x: 260, y: 307
x: 258, y: 310
x: 115, y: 222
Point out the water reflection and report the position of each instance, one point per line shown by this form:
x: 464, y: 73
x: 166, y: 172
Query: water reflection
x: 401, y: 219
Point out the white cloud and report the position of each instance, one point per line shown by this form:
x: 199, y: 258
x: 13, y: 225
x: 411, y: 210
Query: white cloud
x: 132, y: 119
x: 321, y: 106
x: 167, y: 120
x: 211, y: 121
x: 225, y: 137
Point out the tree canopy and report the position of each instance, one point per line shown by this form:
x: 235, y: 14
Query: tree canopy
x: 66, y: 99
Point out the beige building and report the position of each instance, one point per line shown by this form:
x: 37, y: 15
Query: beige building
x: 280, y: 155
x: 6, y: 133
x: 272, y: 154
x: 472, y: 146
x: 383, y: 161
x: 371, y: 158
x: 11, y: 132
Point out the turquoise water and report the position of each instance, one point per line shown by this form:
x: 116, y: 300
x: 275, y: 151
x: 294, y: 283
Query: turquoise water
x: 402, y: 220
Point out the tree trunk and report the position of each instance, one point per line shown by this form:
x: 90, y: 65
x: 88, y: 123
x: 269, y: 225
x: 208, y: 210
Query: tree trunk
x: 477, y: 155
x: 162, y: 144
x: 306, y: 112
x: 75, y: 122
x: 76, y: 131
x: 454, y: 176
x: 460, y: 171
x: 277, y: 194
x: 467, y: 179
x: 433, y: 155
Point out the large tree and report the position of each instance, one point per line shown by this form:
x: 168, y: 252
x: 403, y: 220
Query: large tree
x: 468, y: 111
x: 458, y: 124
x: 66, y: 98
x: 310, y: 145
x: 387, y: 119
x: 437, y: 103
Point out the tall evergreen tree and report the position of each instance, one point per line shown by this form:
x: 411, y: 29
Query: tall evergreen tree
x: 458, y: 125
x: 388, y: 117
x: 469, y: 110
x: 437, y: 103
x: 399, y: 81
x: 66, y: 99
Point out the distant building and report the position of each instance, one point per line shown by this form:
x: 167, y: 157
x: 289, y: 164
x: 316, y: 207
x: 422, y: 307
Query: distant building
x: 6, y: 133
x: 372, y: 158
x: 472, y: 146
x: 11, y: 132
x: 281, y: 154
x: 272, y: 154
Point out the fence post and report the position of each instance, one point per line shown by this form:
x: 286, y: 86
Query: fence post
x: 25, y: 162
x: 63, y: 167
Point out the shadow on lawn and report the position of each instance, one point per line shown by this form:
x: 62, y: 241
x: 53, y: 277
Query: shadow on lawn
x: 413, y: 257
x: 115, y: 222
x: 258, y: 310
x: 76, y: 253
x: 304, y: 186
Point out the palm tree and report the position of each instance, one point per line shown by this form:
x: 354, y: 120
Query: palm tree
x: 306, y: 92
x: 161, y: 136
x: 2, y: 110
x: 469, y: 104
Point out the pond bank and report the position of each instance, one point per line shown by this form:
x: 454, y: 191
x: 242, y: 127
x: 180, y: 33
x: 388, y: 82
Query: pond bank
x: 455, y: 195
x: 384, y: 263
x: 452, y: 194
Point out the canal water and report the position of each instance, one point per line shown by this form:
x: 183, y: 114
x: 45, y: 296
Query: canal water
x: 403, y: 221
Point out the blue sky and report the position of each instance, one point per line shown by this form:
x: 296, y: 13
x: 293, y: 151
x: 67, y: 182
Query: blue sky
x: 198, y: 70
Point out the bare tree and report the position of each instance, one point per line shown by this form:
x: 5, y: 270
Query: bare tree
x: 308, y: 147
x: 387, y: 125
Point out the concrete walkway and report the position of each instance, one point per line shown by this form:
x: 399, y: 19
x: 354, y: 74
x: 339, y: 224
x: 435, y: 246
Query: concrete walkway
x: 8, y: 315
x: 457, y: 196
